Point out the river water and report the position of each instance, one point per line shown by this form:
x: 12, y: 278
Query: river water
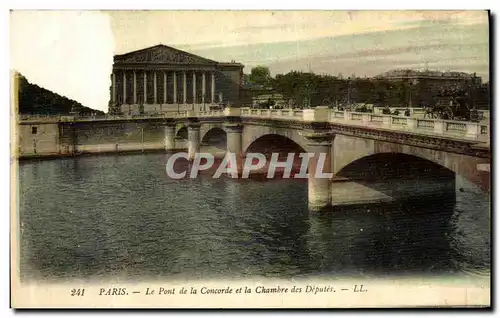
x: 119, y: 216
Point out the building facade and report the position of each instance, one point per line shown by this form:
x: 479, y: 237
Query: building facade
x: 416, y: 76
x: 422, y: 87
x: 161, y: 78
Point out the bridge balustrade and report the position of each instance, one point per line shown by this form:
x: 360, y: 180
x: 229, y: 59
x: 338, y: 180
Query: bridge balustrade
x: 401, y: 121
x: 425, y: 124
x: 376, y: 118
x: 468, y: 130
x: 456, y: 127
x: 356, y: 116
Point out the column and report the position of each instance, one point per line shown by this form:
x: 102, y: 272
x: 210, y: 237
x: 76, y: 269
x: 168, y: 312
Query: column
x: 184, y: 87
x: 193, y: 140
x: 169, y: 137
x: 212, y: 96
x: 175, y: 87
x: 145, y: 88
x: 155, y: 89
x: 124, y: 87
x: 234, y: 143
x: 194, y: 87
x: 164, y: 87
x: 135, y: 88
x: 319, y: 182
x: 203, y: 84
x: 113, y: 88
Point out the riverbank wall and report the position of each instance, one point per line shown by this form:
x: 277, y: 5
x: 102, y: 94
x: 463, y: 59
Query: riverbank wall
x: 61, y: 139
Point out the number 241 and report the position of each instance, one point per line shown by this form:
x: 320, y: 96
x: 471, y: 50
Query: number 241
x: 77, y: 291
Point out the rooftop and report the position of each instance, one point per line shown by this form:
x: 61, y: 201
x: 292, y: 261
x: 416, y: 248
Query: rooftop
x: 425, y: 73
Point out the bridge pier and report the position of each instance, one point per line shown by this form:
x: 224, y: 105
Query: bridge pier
x: 234, y: 143
x: 320, y: 171
x: 193, y: 139
x: 169, y: 137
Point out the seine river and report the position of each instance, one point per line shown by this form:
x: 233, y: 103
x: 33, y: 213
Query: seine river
x: 121, y: 217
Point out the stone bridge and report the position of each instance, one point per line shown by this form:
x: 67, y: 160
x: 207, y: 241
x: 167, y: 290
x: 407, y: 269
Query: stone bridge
x: 393, y: 157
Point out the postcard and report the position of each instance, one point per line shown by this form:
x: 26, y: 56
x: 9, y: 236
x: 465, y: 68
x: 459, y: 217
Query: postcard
x: 250, y: 159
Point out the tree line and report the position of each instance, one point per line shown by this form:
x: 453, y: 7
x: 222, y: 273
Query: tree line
x: 307, y: 88
x: 36, y: 100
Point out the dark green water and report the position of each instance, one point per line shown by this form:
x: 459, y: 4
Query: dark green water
x: 121, y: 217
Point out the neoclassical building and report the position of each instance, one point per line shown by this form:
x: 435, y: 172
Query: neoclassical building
x: 424, y: 84
x: 161, y: 78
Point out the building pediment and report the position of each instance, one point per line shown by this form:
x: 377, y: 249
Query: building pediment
x: 161, y: 54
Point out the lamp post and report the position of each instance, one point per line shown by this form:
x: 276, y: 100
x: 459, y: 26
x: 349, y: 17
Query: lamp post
x: 474, y: 90
x: 349, y: 91
x: 304, y: 101
x: 409, y: 95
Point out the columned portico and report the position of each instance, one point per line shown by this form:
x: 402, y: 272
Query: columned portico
x: 194, y: 88
x: 184, y: 87
x: 164, y: 87
x: 155, y: 89
x: 203, y: 85
x: 156, y: 86
x: 161, y: 92
x: 113, y: 88
x: 212, y: 95
x: 124, y: 87
x: 135, y: 87
x: 175, y: 87
x: 145, y: 88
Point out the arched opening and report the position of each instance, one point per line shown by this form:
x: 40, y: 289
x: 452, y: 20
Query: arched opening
x: 273, y: 143
x: 182, y: 134
x: 396, y: 177
x: 181, y: 138
x: 215, y: 138
x: 384, y: 166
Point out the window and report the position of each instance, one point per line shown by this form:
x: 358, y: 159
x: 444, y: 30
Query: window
x: 34, y: 130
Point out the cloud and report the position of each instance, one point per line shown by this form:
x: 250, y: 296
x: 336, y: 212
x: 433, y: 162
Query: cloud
x: 429, y: 42
x: 67, y: 52
x: 70, y: 52
x: 137, y: 29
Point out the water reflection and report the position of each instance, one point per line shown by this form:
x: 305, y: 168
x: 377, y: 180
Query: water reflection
x: 120, y: 216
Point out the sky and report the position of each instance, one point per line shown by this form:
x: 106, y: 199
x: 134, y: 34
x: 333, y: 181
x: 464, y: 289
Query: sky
x: 332, y: 42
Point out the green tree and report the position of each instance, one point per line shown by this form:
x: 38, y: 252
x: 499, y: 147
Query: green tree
x: 260, y: 75
x: 34, y: 99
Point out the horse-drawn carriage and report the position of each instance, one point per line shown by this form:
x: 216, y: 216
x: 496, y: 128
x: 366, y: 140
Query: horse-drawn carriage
x: 275, y: 104
x: 453, y: 103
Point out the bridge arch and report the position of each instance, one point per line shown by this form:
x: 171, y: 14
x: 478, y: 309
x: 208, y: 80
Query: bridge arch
x: 393, y: 165
x: 182, y: 133
x: 215, y: 136
x: 398, y: 176
x: 351, y: 149
x: 269, y: 143
x: 256, y: 133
